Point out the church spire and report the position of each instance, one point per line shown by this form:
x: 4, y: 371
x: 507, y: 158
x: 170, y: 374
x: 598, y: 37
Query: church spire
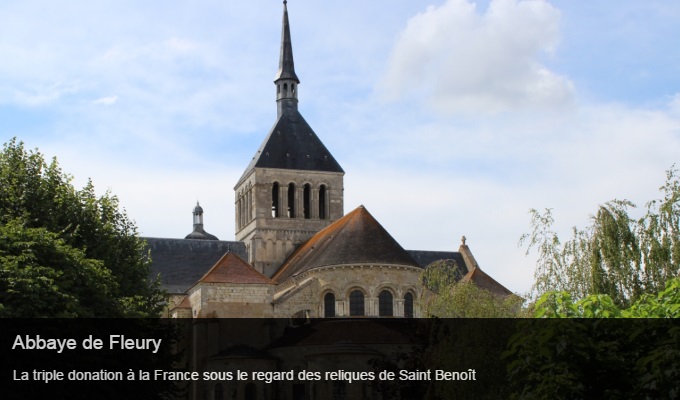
x: 286, y: 80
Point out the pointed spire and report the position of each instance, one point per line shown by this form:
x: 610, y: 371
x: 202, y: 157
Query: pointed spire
x: 286, y: 64
x: 286, y: 80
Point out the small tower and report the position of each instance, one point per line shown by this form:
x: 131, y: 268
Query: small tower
x: 198, y: 232
x: 293, y: 187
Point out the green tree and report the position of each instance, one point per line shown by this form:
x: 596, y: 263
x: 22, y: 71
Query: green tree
x: 586, y: 350
x: 63, y: 251
x: 452, y: 298
x: 616, y: 254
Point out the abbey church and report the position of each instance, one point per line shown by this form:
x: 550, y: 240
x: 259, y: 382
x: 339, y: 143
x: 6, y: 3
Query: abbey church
x: 296, y: 252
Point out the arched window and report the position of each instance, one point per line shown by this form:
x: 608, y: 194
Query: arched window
x: 329, y: 305
x: 322, y: 202
x: 408, y: 305
x: 219, y: 392
x: 250, y: 393
x: 356, y: 303
x: 238, y: 213
x: 275, y: 200
x: 291, y: 200
x: 285, y: 88
x: 306, y: 203
x: 292, y: 88
x: 385, y: 304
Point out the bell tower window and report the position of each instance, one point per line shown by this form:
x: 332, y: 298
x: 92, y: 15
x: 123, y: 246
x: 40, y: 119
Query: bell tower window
x: 291, y: 200
x: 275, y: 200
x: 322, y: 202
x: 306, y: 201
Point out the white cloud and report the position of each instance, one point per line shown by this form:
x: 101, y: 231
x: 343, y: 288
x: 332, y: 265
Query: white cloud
x: 106, y: 101
x: 463, y: 60
x: 674, y: 104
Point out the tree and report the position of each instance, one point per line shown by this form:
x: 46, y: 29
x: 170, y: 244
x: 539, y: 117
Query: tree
x: 454, y: 298
x: 66, y: 252
x: 616, y: 254
x: 584, y: 350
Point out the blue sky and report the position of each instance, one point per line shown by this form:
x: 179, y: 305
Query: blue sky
x: 450, y: 118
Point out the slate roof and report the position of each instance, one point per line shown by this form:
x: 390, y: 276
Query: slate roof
x: 232, y: 269
x: 425, y: 258
x: 182, y: 262
x: 286, y: 64
x: 200, y: 234
x: 356, y: 238
x: 292, y: 144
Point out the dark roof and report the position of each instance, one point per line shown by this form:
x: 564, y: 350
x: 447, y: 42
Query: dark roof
x: 232, y: 269
x: 286, y: 65
x: 425, y: 258
x: 356, y: 238
x: 292, y: 144
x: 200, y: 234
x: 182, y: 262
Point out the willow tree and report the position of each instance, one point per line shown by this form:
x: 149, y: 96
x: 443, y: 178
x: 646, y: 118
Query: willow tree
x: 616, y: 254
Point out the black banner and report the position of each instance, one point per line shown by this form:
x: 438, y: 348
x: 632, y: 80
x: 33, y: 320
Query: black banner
x: 360, y: 358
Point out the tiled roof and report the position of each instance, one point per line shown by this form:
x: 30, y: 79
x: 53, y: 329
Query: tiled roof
x: 356, y: 238
x: 484, y: 281
x: 292, y: 144
x: 425, y: 258
x: 181, y: 262
x: 232, y: 269
x: 200, y: 234
x: 185, y: 303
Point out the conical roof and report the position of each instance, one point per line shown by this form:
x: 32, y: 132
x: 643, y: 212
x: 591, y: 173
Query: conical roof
x: 357, y: 238
x: 232, y: 269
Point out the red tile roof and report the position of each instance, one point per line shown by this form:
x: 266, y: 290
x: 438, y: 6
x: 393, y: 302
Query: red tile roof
x: 484, y: 281
x: 356, y: 238
x: 232, y: 269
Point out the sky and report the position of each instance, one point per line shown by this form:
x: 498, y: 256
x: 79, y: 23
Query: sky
x: 449, y: 117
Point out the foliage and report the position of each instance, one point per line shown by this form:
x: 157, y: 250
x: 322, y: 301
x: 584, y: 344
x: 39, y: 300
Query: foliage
x: 665, y: 304
x: 579, y: 348
x: 454, y: 298
x: 66, y: 252
x: 616, y: 254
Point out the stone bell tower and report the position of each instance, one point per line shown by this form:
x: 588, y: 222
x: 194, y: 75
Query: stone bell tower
x: 293, y: 187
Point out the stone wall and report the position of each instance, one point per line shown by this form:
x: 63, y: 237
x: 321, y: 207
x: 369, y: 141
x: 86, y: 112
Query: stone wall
x: 270, y: 239
x: 341, y: 281
x: 231, y: 300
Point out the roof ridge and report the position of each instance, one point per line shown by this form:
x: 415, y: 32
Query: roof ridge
x: 355, y: 238
x: 248, y: 268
